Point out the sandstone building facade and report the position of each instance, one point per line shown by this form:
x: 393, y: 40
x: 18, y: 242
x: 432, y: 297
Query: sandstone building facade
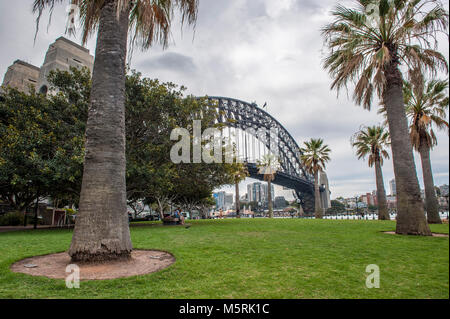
x: 61, y: 55
x: 21, y: 75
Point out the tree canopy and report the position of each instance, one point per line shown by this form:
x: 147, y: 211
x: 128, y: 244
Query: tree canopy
x: 42, y: 144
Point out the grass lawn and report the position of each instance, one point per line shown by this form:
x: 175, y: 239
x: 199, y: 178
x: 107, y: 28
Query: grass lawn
x: 252, y: 258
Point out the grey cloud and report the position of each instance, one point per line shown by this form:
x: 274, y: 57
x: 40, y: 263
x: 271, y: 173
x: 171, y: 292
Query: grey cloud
x: 311, y: 6
x: 169, y: 61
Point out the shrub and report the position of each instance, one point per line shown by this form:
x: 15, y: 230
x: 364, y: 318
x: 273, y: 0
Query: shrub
x: 70, y: 211
x: 12, y: 219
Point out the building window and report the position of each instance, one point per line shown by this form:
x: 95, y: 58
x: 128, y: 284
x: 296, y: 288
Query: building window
x: 43, y: 90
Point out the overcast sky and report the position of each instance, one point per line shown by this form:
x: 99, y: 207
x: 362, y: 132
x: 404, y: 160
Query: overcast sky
x: 253, y: 50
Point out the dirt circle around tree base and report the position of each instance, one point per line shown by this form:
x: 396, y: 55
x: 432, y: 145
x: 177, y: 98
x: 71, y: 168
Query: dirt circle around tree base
x: 433, y: 234
x: 54, y: 265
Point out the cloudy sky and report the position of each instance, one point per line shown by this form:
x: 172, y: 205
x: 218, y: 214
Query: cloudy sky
x: 253, y: 50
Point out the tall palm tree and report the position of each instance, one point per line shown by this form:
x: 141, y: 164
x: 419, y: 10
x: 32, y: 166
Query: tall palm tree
x: 315, y: 156
x: 426, y: 104
x: 268, y: 166
x: 372, y: 141
x: 101, y: 231
x: 240, y: 173
x: 367, y: 46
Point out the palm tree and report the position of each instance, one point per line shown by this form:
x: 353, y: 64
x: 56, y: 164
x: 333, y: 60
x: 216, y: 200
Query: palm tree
x: 426, y: 104
x: 367, y: 46
x: 268, y: 166
x: 240, y: 173
x: 101, y: 231
x: 372, y: 141
x: 314, y: 156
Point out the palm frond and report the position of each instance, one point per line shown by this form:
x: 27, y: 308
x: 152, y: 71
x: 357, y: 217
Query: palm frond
x: 426, y: 105
x: 371, y: 141
x: 315, y: 155
x: 150, y: 20
x: 360, y: 47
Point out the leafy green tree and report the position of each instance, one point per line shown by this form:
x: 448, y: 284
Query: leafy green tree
x: 102, y: 231
x: 205, y: 206
x: 41, y: 148
x: 69, y: 109
x: 336, y: 207
x: 372, y: 141
x: 153, y: 110
x: 195, y: 182
x: 367, y: 45
x: 315, y: 156
x: 26, y: 148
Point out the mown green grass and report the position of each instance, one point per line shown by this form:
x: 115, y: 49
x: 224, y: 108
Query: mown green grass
x: 252, y: 258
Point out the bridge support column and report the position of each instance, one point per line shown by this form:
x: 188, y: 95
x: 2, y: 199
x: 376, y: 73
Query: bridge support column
x: 308, y: 203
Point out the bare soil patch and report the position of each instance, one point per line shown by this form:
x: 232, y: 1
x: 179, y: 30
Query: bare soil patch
x: 54, y: 265
x: 433, y: 234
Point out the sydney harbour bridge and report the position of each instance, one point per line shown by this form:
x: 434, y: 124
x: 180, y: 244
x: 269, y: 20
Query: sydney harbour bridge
x: 247, y: 120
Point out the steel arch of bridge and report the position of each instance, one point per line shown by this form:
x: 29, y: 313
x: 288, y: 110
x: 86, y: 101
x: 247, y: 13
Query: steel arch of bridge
x: 242, y: 115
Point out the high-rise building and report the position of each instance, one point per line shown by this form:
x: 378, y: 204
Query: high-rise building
x: 368, y: 199
x: 265, y: 193
x: 280, y: 202
x: 375, y: 198
x: 229, y: 200
x: 219, y: 197
x: 223, y: 200
x: 258, y: 192
x: 249, y: 193
x: 61, y: 55
x: 255, y: 192
x: 393, y: 187
x: 444, y: 190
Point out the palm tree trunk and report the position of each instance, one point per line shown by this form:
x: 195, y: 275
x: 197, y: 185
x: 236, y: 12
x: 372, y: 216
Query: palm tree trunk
x: 238, y: 205
x: 431, y: 202
x: 317, y: 207
x: 269, y: 195
x: 383, y: 213
x: 101, y: 229
x: 410, y: 214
